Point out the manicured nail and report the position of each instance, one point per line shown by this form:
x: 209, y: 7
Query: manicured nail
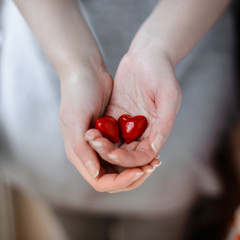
x: 137, y: 176
x: 157, y: 165
x: 88, y: 137
x: 112, y: 156
x: 96, y: 144
x: 150, y: 170
x: 91, y: 168
x: 156, y: 144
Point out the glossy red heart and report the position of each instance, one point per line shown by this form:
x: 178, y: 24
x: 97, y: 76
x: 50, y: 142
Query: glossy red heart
x: 132, y: 128
x: 108, y: 126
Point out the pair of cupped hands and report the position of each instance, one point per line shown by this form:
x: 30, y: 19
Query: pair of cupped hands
x: 145, y: 84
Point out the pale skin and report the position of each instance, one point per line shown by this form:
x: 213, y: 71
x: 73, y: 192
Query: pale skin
x: 145, y: 83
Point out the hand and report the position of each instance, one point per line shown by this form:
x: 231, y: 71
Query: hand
x: 145, y: 84
x: 84, y: 97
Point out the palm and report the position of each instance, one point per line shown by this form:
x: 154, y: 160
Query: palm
x: 133, y: 95
x: 144, y: 85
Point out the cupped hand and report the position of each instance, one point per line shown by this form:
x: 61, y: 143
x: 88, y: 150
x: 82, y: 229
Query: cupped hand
x: 145, y: 84
x: 84, y: 97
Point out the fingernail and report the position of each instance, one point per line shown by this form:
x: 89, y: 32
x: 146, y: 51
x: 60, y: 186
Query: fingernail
x: 91, y: 168
x: 137, y: 176
x: 158, y: 156
x: 88, y: 137
x: 156, y: 144
x: 157, y: 165
x: 150, y: 170
x: 112, y: 156
x: 96, y: 144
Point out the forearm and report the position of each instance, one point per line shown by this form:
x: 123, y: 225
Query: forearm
x: 175, y: 26
x: 62, y: 33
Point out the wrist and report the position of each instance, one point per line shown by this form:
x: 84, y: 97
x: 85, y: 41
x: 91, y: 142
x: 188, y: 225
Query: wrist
x: 86, y: 65
x: 149, y: 43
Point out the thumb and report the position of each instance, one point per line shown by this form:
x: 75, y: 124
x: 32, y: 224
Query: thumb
x: 167, y: 107
x: 78, y: 151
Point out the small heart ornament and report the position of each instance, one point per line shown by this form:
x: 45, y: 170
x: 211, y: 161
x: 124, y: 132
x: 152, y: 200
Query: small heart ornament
x: 132, y: 128
x: 108, y: 126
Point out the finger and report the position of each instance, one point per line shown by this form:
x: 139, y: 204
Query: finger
x: 138, y: 182
x: 116, y: 181
x: 93, y: 133
x: 148, y: 170
x: 140, y: 156
x: 105, y: 181
x: 101, y: 145
x: 74, y: 143
x: 130, y: 155
x: 168, y: 104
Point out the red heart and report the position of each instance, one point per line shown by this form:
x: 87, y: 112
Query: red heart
x: 132, y: 127
x: 108, y: 126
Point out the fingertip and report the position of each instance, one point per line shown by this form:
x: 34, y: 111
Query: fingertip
x: 112, y: 156
x: 157, y: 143
x: 155, y: 163
x: 148, y: 169
x: 102, y: 146
x: 137, y: 176
x: 91, y: 134
x: 92, y: 168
